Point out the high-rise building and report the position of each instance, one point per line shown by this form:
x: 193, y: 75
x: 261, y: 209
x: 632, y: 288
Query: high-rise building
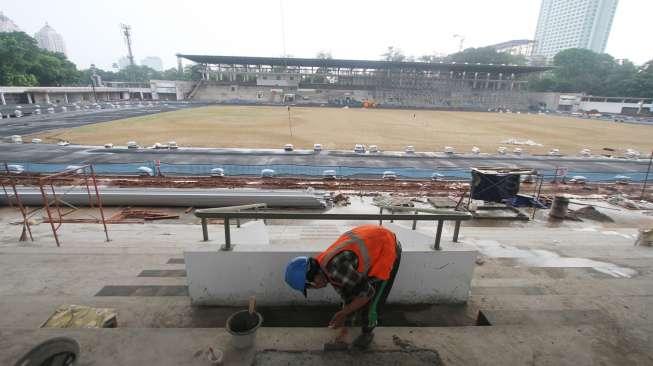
x: 7, y: 25
x: 153, y: 62
x: 48, y: 39
x: 564, y: 24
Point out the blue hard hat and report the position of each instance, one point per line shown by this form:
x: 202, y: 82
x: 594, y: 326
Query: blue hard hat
x: 296, y: 274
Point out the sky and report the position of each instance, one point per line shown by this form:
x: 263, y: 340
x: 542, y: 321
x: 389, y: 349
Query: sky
x: 359, y: 29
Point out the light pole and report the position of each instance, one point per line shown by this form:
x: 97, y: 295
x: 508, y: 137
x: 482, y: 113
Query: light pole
x: 650, y: 161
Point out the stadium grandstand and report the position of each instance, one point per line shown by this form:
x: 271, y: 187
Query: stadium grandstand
x: 312, y: 81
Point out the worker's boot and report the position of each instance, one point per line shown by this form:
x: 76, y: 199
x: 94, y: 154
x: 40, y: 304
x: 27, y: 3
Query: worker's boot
x: 363, y: 341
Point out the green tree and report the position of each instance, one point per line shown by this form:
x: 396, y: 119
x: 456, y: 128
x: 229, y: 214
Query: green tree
x: 22, y: 62
x: 485, y: 55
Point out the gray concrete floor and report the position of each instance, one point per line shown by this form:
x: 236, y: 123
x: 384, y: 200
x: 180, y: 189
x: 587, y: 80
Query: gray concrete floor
x: 547, y: 302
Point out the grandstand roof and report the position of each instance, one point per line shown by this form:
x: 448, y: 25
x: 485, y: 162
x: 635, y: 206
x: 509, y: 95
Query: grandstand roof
x: 361, y: 64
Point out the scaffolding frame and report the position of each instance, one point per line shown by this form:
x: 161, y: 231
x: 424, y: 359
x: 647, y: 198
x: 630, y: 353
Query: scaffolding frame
x: 10, y: 180
x: 51, y: 202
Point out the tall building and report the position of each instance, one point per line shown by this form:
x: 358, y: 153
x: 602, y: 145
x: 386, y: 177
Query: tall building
x: 153, y: 62
x: 48, y: 39
x: 564, y: 24
x: 7, y: 25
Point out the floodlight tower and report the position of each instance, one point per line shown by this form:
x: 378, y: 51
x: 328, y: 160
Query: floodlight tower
x: 126, y: 32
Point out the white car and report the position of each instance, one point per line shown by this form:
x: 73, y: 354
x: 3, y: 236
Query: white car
x: 374, y: 149
x: 77, y: 168
x: 410, y: 149
x: 359, y: 149
x: 132, y: 145
x: 554, y: 152
x: 217, y: 172
x: 172, y: 145
x: 317, y: 147
x: 586, y: 152
x: 436, y: 177
x: 578, y: 179
x: 501, y: 150
x: 63, y: 143
x: 449, y: 150
x: 476, y: 150
x: 288, y: 147
x: 108, y: 146
x: 16, y: 139
x: 15, y: 168
x: 36, y: 141
x: 517, y: 151
x: 268, y: 173
x: 329, y: 174
x: 622, y: 179
x: 145, y: 171
x: 389, y: 175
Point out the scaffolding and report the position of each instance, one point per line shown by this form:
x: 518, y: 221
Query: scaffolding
x: 11, y: 181
x: 52, y: 202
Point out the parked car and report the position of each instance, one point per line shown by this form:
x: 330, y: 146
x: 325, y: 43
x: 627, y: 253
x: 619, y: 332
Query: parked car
x: 288, y: 147
x: 217, y: 172
x: 359, y: 148
x: 389, y: 175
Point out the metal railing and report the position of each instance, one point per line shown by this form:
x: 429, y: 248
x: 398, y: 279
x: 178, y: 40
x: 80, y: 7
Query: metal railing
x: 229, y: 213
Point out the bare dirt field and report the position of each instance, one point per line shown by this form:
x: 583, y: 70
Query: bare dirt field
x: 337, y: 128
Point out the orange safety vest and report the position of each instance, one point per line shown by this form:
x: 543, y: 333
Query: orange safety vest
x: 375, y: 247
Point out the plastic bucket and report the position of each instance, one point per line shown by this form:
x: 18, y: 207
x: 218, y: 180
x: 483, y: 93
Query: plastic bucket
x: 243, y: 328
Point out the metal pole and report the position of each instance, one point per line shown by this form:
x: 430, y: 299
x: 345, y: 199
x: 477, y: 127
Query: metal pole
x: 456, y: 230
x: 47, y: 210
x: 415, y: 220
x: 205, y: 229
x: 99, y: 202
x: 650, y: 160
x: 380, y: 213
x: 227, y: 235
x: 438, y: 234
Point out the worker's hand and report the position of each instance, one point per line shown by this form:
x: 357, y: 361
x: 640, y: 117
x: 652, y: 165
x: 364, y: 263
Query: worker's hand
x: 338, y: 320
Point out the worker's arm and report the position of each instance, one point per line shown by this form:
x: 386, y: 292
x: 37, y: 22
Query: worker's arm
x: 339, y: 318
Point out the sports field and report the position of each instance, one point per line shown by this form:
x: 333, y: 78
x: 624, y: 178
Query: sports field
x: 339, y: 128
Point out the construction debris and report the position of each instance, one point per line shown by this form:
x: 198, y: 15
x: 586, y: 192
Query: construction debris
x: 80, y: 316
x: 622, y: 201
x: 589, y: 213
x: 341, y: 199
x: 147, y: 215
x: 645, y: 237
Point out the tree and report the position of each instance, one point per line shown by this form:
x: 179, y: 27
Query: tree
x: 485, y: 55
x: 583, y: 71
x: 393, y: 54
x: 24, y: 63
x: 324, y: 55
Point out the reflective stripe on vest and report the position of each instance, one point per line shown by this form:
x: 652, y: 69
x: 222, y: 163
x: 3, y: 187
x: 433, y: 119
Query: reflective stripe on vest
x: 352, y: 239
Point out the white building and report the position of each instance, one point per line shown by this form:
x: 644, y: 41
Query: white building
x: 564, y: 24
x: 48, y: 39
x: 153, y: 62
x: 7, y: 25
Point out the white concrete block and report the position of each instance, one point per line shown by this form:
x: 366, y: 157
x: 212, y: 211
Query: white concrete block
x: 230, y: 278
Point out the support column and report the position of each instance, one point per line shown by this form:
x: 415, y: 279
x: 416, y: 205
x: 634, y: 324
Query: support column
x: 65, y: 97
x: 141, y: 93
x: 2, y: 99
x: 29, y: 98
x: 47, y: 97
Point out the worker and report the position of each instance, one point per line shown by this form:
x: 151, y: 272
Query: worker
x: 361, y: 265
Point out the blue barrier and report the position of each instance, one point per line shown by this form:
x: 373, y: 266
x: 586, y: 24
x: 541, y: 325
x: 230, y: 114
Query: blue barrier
x: 288, y: 170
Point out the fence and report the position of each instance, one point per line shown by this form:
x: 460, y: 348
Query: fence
x: 291, y: 170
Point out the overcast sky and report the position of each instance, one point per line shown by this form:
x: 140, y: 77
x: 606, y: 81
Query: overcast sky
x: 357, y: 29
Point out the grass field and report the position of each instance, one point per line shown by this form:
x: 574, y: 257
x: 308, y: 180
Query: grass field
x: 268, y: 127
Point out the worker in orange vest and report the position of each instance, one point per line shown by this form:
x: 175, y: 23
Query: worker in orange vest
x: 361, y: 265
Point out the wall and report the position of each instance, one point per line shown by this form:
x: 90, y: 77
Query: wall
x: 230, y: 278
